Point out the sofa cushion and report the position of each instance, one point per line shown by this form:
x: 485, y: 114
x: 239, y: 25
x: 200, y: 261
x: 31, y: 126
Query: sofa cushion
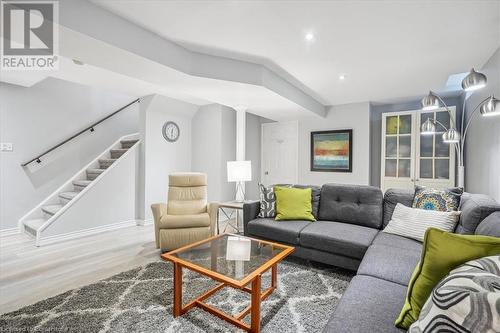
x: 356, y: 204
x: 336, y: 237
x: 474, y: 208
x: 280, y: 231
x: 368, y: 305
x: 490, y: 226
x: 394, y: 196
x: 389, y: 263
x: 315, y: 196
x: 446, y: 200
x: 397, y: 241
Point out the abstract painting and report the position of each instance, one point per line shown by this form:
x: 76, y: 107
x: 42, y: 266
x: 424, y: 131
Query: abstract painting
x: 331, y: 151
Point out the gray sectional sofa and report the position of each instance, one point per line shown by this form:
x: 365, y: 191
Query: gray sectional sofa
x: 348, y: 234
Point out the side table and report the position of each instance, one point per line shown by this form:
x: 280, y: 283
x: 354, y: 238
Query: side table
x: 228, y: 209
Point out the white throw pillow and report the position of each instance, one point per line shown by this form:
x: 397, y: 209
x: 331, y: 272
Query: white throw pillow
x: 413, y: 222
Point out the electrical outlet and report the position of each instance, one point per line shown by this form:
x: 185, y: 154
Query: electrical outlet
x: 6, y: 146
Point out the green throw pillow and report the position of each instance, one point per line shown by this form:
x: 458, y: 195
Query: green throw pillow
x: 441, y: 253
x: 293, y: 203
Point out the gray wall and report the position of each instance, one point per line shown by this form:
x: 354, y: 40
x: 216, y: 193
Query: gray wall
x: 160, y: 158
x: 253, y: 153
x: 214, y: 143
x: 482, y: 159
x: 376, y: 111
x: 34, y: 119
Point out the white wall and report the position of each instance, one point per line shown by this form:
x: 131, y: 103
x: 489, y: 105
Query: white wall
x: 350, y: 116
x: 482, y: 153
x: 34, y: 119
x: 161, y: 157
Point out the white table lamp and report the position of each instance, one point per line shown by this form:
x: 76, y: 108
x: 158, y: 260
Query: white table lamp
x: 239, y: 172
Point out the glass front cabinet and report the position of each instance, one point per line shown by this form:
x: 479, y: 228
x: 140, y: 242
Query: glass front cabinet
x: 409, y: 158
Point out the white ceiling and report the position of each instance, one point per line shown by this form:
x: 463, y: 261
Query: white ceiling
x: 387, y: 49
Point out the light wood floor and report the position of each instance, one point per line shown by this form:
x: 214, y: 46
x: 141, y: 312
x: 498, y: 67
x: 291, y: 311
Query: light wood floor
x: 29, y: 274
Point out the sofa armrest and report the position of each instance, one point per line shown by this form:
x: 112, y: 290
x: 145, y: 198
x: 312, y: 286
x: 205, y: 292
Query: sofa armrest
x: 212, y: 209
x: 159, y: 209
x: 250, y: 212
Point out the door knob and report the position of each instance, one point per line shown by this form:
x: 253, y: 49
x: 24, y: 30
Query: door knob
x: 266, y: 173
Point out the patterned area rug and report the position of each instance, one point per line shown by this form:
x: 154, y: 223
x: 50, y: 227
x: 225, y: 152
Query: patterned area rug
x: 140, y: 300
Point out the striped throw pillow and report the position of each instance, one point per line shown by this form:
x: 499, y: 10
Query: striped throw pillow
x: 413, y: 222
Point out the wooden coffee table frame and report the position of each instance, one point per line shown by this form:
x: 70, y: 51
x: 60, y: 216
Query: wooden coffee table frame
x: 255, y: 278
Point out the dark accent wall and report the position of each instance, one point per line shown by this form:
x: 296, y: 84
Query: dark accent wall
x: 376, y: 110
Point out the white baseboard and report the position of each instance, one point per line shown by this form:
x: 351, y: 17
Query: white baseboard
x: 144, y: 222
x: 86, y: 232
x: 9, y: 232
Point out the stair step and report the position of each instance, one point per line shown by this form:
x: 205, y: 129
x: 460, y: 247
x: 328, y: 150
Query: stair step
x: 105, y: 163
x: 116, y: 153
x: 32, y: 226
x: 51, y: 209
x: 128, y: 143
x: 94, y: 173
x: 80, y: 184
x: 66, y: 197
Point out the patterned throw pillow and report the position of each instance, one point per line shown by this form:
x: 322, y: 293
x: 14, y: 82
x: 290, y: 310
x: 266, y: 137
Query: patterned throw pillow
x: 467, y: 300
x: 432, y: 199
x: 267, y: 201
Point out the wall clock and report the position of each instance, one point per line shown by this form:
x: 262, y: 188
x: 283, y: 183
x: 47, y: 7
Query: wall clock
x: 171, y: 131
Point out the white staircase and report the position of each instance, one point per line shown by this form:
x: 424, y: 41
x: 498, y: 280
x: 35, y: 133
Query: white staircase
x: 49, y: 210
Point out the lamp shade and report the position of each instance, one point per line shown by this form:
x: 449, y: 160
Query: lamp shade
x: 428, y: 127
x: 430, y: 102
x: 239, y: 171
x: 491, y: 107
x: 474, y: 81
x: 451, y: 136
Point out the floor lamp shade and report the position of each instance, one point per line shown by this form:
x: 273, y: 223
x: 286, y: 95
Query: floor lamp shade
x: 239, y: 171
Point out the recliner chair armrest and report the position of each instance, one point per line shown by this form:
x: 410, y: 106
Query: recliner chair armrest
x: 250, y: 212
x: 159, y: 209
x: 212, y: 208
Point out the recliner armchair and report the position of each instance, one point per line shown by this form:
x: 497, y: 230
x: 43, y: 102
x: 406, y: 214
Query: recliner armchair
x: 186, y: 217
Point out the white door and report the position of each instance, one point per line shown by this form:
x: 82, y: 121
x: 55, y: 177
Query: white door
x: 279, y: 149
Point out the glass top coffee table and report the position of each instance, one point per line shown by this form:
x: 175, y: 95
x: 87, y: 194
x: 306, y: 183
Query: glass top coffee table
x: 234, y: 261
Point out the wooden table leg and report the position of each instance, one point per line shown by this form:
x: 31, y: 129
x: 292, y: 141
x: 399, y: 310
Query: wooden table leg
x: 177, y: 289
x: 274, y: 276
x: 255, y: 305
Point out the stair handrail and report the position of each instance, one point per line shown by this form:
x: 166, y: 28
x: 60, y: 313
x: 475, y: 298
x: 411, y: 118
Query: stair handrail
x: 88, y: 128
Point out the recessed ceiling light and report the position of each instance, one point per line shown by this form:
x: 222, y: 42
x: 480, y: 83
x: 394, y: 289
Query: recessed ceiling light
x: 342, y: 77
x: 309, y: 36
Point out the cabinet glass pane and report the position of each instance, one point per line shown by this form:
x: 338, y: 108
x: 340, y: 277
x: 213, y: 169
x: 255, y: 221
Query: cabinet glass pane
x: 425, y: 116
x: 391, y: 146
x: 444, y: 118
x: 405, y: 124
x: 405, y: 146
x: 442, y: 168
x: 390, y: 168
x: 391, y: 125
x: 426, y: 168
x: 442, y: 148
x: 426, y: 142
x: 404, y: 168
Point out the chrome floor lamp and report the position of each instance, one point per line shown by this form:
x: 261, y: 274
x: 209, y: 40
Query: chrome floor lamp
x: 490, y: 106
